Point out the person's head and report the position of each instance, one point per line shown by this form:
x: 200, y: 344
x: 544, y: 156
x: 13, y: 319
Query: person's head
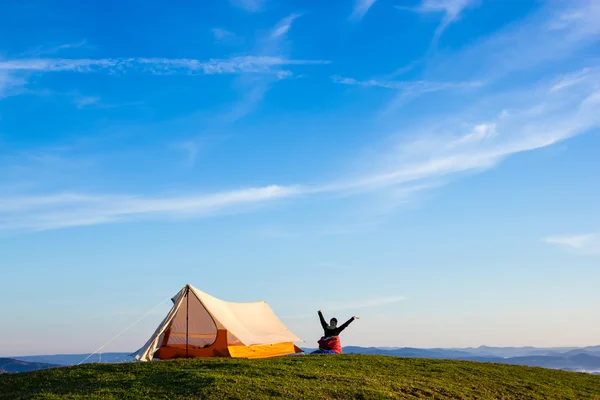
x: 333, y: 322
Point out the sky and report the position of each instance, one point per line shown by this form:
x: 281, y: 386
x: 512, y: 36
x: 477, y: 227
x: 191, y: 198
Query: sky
x: 428, y: 165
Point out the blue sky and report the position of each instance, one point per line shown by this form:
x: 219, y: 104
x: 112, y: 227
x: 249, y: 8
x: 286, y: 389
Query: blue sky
x: 429, y: 165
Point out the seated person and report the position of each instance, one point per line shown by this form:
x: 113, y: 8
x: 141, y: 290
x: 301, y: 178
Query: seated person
x: 330, y: 342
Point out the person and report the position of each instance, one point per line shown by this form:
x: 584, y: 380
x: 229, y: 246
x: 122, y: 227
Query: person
x: 330, y: 341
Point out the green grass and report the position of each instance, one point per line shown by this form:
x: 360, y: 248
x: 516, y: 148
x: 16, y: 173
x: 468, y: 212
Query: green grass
x: 301, y: 377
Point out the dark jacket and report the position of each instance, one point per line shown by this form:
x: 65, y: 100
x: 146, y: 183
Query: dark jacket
x: 335, y: 331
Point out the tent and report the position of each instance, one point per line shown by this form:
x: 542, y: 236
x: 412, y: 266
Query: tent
x: 200, y: 325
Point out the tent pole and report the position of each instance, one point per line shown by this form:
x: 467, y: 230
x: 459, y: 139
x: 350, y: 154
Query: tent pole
x: 187, y: 311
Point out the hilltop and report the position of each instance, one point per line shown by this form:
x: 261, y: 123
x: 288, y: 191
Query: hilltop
x: 579, y: 359
x: 306, y: 377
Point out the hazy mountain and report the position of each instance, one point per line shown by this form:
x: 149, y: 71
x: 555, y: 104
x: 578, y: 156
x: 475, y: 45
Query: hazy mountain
x: 408, y: 352
x: 578, y: 362
x: 567, y: 358
x: 74, y: 359
x: 505, y: 352
x: 592, y: 350
x: 9, y: 365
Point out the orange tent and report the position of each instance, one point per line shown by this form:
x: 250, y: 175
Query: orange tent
x: 200, y: 325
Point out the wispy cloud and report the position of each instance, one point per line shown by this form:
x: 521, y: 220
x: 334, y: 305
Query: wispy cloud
x: 411, y: 86
x: 579, y: 18
x: 86, y: 101
x: 570, y: 79
x: 424, y: 156
x: 361, y: 7
x: 283, y: 26
x: 527, y: 120
x: 10, y: 84
x: 236, y: 65
x: 254, y: 88
x: 71, y: 209
x: 480, y: 133
x: 249, y: 5
x: 223, y: 35
x: 41, y: 50
x: 532, y: 42
x: 408, y: 89
x: 585, y: 244
x: 94, y: 102
x: 190, y: 149
x: 252, y: 95
x: 76, y: 45
x: 451, y: 10
x: 14, y: 73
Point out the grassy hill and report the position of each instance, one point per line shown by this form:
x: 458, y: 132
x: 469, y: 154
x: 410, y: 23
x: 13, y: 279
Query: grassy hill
x: 306, y: 377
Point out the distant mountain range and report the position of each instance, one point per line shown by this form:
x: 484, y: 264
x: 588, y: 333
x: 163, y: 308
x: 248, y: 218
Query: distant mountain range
x: 482, y: 351
x: 11, y: 365
x: 74, y: 359
x: 584, y: 359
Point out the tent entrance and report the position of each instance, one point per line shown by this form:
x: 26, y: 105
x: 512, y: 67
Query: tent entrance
x: 192, y: 327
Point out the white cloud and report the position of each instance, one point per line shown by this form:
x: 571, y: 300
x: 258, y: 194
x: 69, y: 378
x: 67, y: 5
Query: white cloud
x: 361, y: 7
x: 249, y: 5
x: 570, y: 80
x: 409, y: 89
x: 535, y: 119
x: 57, y: 64
x: 76, y: 45
x: 586, y: 243
x: 409, y: 86
x: 434, y: 154
x: 54, y: 49
x: 450, y: 8
x: 525, y: 44
x: 236, y: 65
x: 427, y: 154
x: 10, y: 84
x: 68, y: 209
x: 253, y: 89
x: 581, y: 15
x: 222, y: 35
x: 283, y: 26
x: 191, y: 149
x: 480, y: 132
x: 12, y: 72
x: 85, y: 101
x: 38, y: 51
x: 250, y: 99
x: 519, y: 46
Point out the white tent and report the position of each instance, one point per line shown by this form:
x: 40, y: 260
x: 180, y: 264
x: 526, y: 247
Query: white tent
x: 200, y: 325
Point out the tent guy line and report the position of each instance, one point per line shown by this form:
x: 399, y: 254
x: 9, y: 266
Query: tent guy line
x: 124, y: 330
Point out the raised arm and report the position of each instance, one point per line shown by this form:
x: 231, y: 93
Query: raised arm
x: 345, y: 324
x: 323, y: 323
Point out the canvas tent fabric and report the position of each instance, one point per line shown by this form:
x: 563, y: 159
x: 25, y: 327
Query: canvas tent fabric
x: 200, y: 325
